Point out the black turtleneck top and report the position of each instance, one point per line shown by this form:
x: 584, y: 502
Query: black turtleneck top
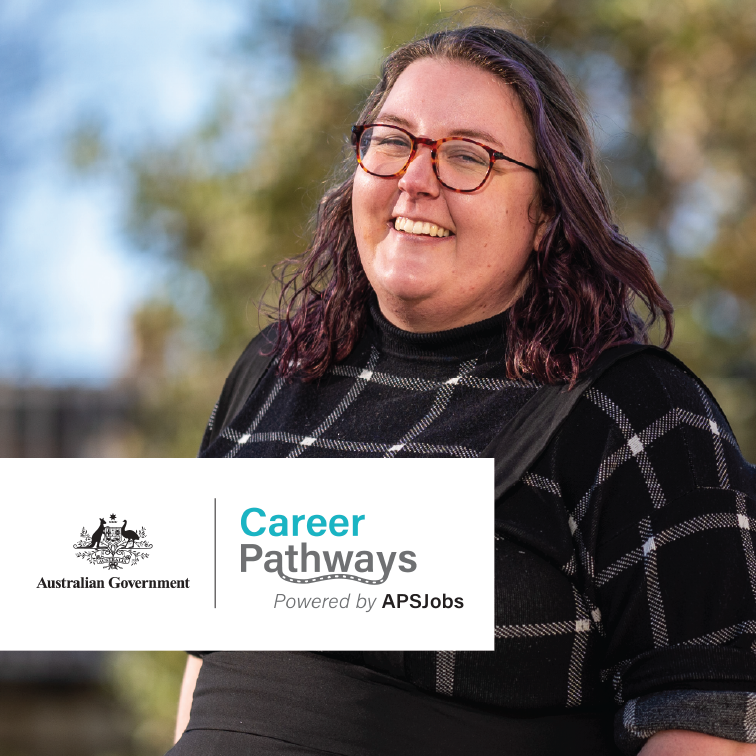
x: 397, y: 394
x: 625, y: 562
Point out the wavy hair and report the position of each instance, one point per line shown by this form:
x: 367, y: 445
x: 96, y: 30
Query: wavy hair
x: 583, y: 281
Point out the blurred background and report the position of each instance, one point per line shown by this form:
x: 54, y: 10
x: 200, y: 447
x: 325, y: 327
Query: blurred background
x: 157, y: 156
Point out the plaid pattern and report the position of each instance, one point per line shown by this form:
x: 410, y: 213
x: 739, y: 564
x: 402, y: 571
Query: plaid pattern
x: 625, y: 559
x: 435, y: 398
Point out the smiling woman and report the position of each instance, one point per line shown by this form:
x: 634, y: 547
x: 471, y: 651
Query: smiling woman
x: 429, y: 283
x: 465, y: 267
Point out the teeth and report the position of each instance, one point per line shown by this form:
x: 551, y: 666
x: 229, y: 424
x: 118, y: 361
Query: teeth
x: 419, y: 227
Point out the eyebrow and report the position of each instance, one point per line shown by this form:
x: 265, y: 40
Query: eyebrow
x: 482, y: 136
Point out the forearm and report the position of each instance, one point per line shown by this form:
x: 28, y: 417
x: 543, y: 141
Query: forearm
x: 193, y: 666
x: 687, y: 743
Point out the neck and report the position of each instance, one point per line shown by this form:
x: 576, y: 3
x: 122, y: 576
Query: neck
x: 425, y: 316
x: 461, y: 343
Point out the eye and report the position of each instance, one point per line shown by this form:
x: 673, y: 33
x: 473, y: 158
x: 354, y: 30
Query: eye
x: 464, y: 154
x: 386, y: 141
x: 391, y: 141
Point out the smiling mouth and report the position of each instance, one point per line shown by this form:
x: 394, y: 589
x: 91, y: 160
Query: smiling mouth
x: 420, y: 228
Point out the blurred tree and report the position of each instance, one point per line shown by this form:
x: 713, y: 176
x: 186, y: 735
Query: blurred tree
x: 147, y: 683
x: 673, y: 86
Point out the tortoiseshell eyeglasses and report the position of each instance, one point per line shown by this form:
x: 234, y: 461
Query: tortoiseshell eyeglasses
x: 460, y: 164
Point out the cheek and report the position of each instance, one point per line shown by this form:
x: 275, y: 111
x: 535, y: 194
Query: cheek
x: 366, y: 197
x: 358, y: 204
x: 372, y: 201
x: 364, y: 226
x: 500, y: 238
x: 512, y: 223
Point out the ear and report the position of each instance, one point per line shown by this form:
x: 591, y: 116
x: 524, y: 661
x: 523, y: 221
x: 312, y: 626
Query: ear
x: 541, y: 217
x: 543, y: 220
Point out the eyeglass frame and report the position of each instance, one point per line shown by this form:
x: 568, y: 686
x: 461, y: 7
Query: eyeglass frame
x: 434, y: 144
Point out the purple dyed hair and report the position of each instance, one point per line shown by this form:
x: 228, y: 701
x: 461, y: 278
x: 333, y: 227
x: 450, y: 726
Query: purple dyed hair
x: 582, y: 282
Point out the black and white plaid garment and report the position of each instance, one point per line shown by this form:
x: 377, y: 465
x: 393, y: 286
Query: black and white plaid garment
x: 625, y: 561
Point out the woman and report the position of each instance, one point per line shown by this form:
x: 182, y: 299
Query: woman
x: 469, y: 258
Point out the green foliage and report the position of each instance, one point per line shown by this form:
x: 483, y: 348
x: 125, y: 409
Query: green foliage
x: 147, y: 683
x: 675, y: 83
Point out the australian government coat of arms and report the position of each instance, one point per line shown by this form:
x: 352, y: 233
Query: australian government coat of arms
x: 112, y: 545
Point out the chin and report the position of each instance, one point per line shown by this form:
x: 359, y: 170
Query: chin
x: 407, y: 291
x: 408, y: 279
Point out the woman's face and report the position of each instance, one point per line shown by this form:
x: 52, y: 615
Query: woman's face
x: 430, y: 283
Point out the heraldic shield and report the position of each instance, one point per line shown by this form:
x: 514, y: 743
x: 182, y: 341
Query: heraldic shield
x: 113, y: 546
x: 112, y: 535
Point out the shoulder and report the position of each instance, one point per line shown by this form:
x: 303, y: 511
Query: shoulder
x: 258, y: 353
x: 648, y: 425
x: 651, y: 398
x: 653, y: 381
x: 253, y: 363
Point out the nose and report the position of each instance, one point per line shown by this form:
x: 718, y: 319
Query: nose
x: 420, y: 178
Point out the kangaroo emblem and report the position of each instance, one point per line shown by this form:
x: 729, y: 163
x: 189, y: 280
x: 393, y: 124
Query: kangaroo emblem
x: 97, y: 535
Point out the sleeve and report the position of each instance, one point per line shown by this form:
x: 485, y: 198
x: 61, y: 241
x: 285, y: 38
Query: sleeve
x: 665, y: 533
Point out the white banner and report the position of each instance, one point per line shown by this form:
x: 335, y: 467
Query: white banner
x: 263, y: 554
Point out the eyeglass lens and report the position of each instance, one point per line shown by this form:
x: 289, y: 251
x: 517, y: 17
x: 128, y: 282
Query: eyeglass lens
x: 385, y: 150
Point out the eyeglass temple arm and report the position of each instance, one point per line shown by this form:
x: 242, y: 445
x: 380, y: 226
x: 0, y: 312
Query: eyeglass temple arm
x: 502, y: 156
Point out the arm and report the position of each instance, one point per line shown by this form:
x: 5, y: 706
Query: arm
x: 668, y: 526
x: 687, y: 743
x: 193, y: 666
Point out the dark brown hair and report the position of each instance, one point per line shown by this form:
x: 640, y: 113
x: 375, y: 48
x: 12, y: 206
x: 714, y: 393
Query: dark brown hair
x: 582, y: 282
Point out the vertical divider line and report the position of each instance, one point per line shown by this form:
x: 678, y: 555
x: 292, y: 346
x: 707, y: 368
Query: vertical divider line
x: 215, y: 553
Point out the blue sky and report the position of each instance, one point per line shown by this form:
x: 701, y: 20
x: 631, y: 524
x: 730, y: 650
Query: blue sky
x: 144, y: 70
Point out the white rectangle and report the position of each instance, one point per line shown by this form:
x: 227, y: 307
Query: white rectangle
x: 152, y: 554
